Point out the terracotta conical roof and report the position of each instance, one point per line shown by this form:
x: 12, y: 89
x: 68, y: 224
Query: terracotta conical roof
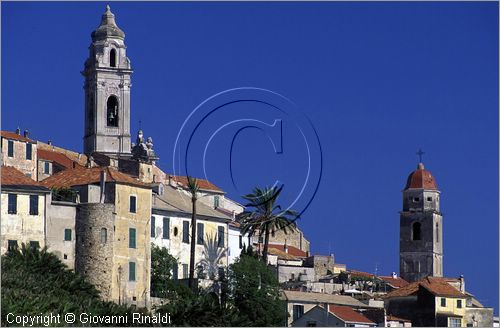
x: 107, y: 28
x: 421, y: 179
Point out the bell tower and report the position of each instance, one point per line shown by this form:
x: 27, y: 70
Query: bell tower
x: 107, y: 91
x: 421, y: 230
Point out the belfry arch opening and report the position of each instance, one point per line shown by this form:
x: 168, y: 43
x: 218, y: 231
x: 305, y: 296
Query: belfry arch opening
x: 416, y: 231
x: 112, y: 58
x: 112, y: 111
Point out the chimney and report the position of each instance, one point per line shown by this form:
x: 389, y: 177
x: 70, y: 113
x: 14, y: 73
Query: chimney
x: 18, y: 131
x: 285, y: 247
x: 102, y: 183
x: 26, y: 133
x: 49, y: 142
x: 394, y: 275
x: 462, y: 283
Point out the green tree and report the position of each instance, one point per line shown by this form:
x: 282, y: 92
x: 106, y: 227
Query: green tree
x: 254, y: 291
x: 265, y: 217
x: 162, y: 264
x: 35, y: 281
x: 193, y: 189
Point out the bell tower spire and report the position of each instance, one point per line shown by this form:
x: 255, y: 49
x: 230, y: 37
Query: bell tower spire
x: 107, y: 91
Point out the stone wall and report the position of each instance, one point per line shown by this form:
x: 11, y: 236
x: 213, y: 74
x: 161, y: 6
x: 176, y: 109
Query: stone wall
x: 94, y: 253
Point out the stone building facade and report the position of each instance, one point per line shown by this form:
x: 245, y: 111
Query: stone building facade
x: 19, y: 151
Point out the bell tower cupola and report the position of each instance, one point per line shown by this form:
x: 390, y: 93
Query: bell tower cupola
x: 107, y: 91
x: 421, y: 231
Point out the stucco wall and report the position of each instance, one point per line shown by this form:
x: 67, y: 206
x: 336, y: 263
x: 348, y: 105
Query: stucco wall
x: 19, y: 160
x: 61, y: 216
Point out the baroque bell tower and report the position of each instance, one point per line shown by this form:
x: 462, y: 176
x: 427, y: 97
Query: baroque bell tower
x: 421, y: 229
x: 107, y: 91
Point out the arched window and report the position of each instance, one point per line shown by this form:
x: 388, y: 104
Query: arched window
x: 112, y: 58
x: 416, y: 231
x: 112, y: 113
x: 104, y: 236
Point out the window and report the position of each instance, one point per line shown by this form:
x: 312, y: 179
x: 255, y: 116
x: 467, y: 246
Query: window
x: 112, y: 111
x: 416, y: 231
x: 459, y: 304
x: 112, y: 58
x: 241, y: 241
x: 67, y: 234
x: 185, y: 232
x: 131, y: 238
x: 175, y: 271
x: 429, y: 199
x: 12, y: 245
x: 131, y: 271
x: 200, y: 229
x: 443, y: 301
x: 12, y: 208
x: 153, y: 221
x: 46, y: 167
x: 416, y: 199
x: 34, y: 244
x: 33, y: 204
x: 104, y: 235
x: 298, y: 311
x: 185, y: 271
x: 455, y: 322
x: 220, y: 235
x: 166, y: 228
x: 176, y: 231
x: 10, y: 148
x: 437, y: 232
x: 216, y: 201
x: 132, y: 204
x: 29, y: 151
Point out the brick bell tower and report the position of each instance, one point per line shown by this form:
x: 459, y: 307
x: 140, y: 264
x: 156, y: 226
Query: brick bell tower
x: 107, y: 91
x: 421, y: 229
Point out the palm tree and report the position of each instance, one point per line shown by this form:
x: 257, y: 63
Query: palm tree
x: 265, y: 216
x: 212, y: 256
x: 193, y: 189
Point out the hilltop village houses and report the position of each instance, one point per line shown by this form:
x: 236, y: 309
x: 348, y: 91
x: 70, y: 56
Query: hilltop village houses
x: 100, y: 210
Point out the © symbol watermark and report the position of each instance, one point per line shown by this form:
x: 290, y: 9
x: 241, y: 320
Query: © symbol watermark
x: 274, y: 116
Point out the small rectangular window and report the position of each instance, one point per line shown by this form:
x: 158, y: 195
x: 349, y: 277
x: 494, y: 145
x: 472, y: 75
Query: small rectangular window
x: 185, y: 271
x: 10, y: 148
x: 216, y: 201
x: 67, y: 234
x: 132, y: 207
x: 131, y: 271
x: 12, y: 245
x: 220, y: 235
x: 455, y: 322
x: 185, y: 232
x: 175, y: 271
x: 429, y: 199
x: 459, y: 304
x: 241, y: 241
x: 33, y: 204
x: 46, y: 167
x: 12, y: 207
x: 29, y: 151
x: 200, y: 229
x: 153, y: 221
x: 131, y: 238
x: 298, y: 311
x: 166, y: 228
x: 443, y: 301
x: 34, y: 244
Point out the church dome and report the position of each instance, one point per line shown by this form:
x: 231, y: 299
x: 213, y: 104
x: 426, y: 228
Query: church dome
x: 107, y: 28
x: 421, y: 179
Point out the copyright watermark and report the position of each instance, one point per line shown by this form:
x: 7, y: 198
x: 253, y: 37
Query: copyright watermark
x: 86, y: 319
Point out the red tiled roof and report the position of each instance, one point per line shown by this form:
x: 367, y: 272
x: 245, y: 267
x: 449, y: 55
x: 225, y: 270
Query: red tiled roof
x: 435, y: 285
x: 347, y: 314
x: 394, y: 318
x: 361, y: 274
x: 15, y: 136
x: 56, y: 157
x: 291, y: 250
x: 13, y: 177
x: 394, y: 282
x: 82, y: 176
x: 421, y: 179
x: 202, y: 183
x: 281, y: 254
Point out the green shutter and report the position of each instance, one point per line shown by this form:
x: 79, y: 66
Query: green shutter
x: 131, y: 235
x: 131, y: 271
x: 166, y: 228
x: 67, y: 234
x: 201, y: 233
x: 185, y: 232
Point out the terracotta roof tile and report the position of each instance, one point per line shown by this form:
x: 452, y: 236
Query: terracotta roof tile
x: 394, y: 318
x: 435, y: 285
x: 291, y: 250
x: 421, y: 179
x: 361, y: 274
x: 82, y: 176
x: 281, y: 254
x: 72, y: 155
x: 202, y: 183
x: 347, y: 314
x: 56, y: 157
x: 15, y: 136
x: 394, y: 282
x: 13, y: 177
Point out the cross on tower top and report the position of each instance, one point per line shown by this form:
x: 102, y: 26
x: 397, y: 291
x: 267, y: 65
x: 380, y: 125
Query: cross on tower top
x: 420, y: 153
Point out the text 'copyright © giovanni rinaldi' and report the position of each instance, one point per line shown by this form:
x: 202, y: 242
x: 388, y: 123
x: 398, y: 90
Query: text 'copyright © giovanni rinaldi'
x: 86, y: 318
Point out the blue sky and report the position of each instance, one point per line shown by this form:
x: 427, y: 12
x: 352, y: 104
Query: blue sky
x: 376, y: 80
